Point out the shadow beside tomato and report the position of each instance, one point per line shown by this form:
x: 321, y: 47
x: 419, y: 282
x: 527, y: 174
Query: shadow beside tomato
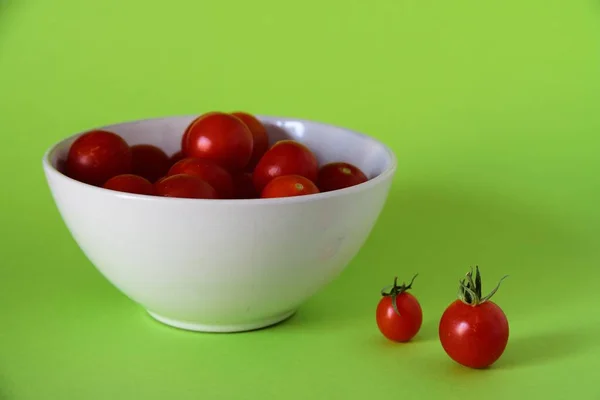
x: 548, y: 347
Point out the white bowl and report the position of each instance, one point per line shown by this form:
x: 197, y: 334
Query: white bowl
x: 225, y: 265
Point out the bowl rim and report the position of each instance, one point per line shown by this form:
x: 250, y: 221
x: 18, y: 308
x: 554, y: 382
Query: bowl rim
x: 383, y: 176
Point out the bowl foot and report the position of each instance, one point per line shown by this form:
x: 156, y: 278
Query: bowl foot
x: 198, y: 327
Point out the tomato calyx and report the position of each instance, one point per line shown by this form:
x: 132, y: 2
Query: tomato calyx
x: 469, y: 291
x: 395, y: 290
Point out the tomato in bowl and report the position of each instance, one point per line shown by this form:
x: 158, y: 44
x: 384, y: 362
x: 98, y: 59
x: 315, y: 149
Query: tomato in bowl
x: 219, y: 264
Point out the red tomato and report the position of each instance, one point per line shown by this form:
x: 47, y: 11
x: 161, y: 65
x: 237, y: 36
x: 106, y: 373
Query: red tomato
x: 288, y: 186
x: 219, y: 137
x: 339, y: 175
x: 97, y: 156
x: 187, y: 130
x: 208, y: 171
x: 187, y: 186
x: 473, y: 330
x: 259, y: 137
x: 243, y: 187
x: 149, y: 161
x: 399, y: 315
x: 130, y: 183
x: 286, y: 157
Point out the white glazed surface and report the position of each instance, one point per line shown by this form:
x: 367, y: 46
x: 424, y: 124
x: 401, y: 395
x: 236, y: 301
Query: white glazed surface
x: 225, y: 265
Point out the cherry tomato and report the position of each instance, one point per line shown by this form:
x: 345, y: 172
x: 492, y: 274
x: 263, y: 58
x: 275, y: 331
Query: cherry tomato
x: 149, y: 161
x: 339, y: 175
x: 243, y: 187
x: 219, y: 137
x: 288, y: 186
x: 187, y: 186
x: 208, y: 171
x: 97, y: 156
x: 473, y: 330
x: 259, y: 137
x: 286, y: 157
x: 130, y: 183
x: 399, y: 315
x: 187, y: 130
x: 176, y: 157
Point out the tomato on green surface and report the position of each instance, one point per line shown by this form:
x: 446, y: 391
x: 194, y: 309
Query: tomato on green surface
x: 97, y: 156
x: 473, y: 330
x: 221, y: 138
x: 208, y: 171
x: 130, y: 183
x: 399, y: 315
x: 339, y: 175
x: 185, y: 186
x: 149, y: 161
x: 286, y: 157
x: 289, y: 186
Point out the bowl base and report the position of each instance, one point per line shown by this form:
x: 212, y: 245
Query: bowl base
x: 198, y: 327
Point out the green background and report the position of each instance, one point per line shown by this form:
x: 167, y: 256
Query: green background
x: 491, y: 106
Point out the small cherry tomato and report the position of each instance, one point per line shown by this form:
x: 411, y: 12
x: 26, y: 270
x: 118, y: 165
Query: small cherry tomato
x: 221, y: 138
x: 97, y: 156
x: 399, y: 315
x: 473, y: 330
x: 215, y: 176
x: 339, y: 175
x: 259, y: 137
x: 130, y: 183
x: 243, y: 187
x: 149, y: 162
x: 286, y: 157
x: 288, y: 186
x: 186, y: 186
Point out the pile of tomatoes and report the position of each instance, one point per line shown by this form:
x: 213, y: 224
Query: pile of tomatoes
x: 222, y: 156
x: 473, y: 330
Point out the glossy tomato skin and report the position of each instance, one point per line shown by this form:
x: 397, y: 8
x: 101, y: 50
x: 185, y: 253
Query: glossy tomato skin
x: 97, y: 156
x: 185, y: 186
x: 243, y: 187
x: 339, y: 175
x: 149, y: 161
x: 403, y: 327
x: 286, y: 157
x: 130, y: 183
x: 259, y: 137
x: 474, y: 336
x: 208, y: 171
x: 221, y: 138
x: 289, y: 186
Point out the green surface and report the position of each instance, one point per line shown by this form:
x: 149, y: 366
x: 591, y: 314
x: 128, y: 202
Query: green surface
x: 491, y: 106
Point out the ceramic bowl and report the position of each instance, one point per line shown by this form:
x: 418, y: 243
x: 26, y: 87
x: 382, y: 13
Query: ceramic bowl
x: 225, y: 265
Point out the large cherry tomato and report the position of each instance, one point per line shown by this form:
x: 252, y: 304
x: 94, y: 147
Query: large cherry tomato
x: 243, y: 187
x: 339, y: 175
x: 149, y: 161
x: 186, y: 186
x: 130, y: 183
x: 399, y: 315
x: 473, y: 330
x: 97, y: 156
x: 219, y: 137
x: 288, y: 186
x: 259, y: 137
x: 215, y: 176
x: 286, y: 157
